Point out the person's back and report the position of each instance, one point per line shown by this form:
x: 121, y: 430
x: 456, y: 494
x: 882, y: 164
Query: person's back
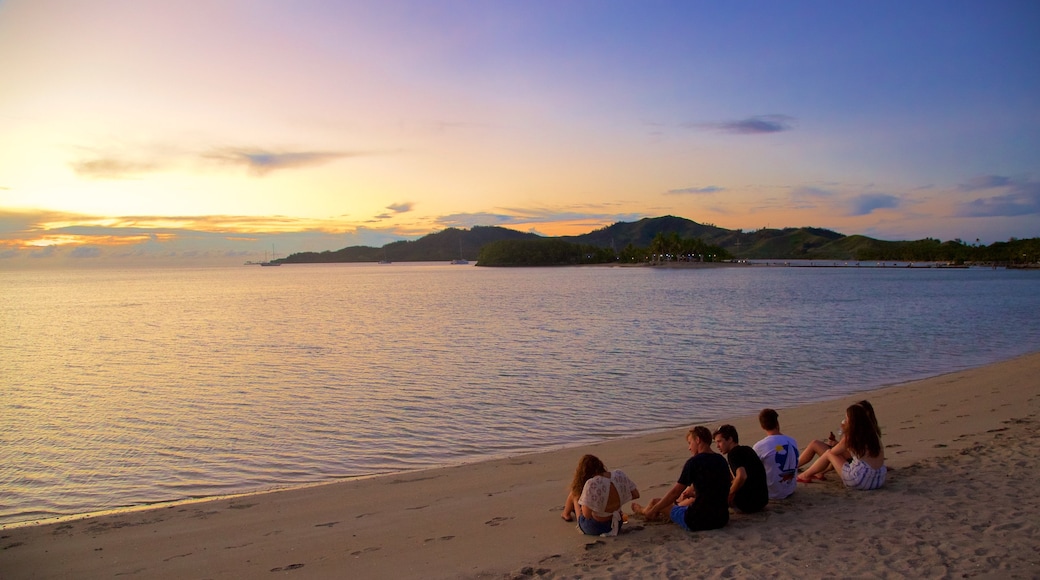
x: 709, y: 475
x: 779, y: 455
x: 754, y: 494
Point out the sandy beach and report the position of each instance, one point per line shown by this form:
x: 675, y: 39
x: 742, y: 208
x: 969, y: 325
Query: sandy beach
x: 960, y: 502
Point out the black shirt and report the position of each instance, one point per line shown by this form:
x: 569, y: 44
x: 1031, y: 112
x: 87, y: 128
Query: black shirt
x: 709, y: 475
x: 754, y: 494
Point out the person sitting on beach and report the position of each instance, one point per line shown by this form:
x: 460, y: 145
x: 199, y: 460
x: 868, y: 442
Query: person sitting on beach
x: 596, y: 496
x: 708, y: 474
x: 867, y: 468
x: 818, y: 446
x: 748, y: 491
x: 779, y: 455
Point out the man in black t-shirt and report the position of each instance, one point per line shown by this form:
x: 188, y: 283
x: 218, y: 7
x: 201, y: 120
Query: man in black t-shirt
x: 749, y: 491
x: 699, y: 499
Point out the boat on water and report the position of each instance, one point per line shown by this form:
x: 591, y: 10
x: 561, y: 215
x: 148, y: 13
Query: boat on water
x: 271, y: 262
x: 460, y: 260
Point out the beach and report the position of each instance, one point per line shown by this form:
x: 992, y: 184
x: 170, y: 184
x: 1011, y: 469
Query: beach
x: 960, y: 501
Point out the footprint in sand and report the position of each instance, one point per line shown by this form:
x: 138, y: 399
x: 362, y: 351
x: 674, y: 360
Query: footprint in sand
x: 286, y: 568
x: 326, y: 525
x: 442, y: 538
x: 498, y: 521
x: 359, y: 552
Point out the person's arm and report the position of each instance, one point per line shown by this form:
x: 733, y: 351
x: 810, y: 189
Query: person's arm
x: 688, y: 493
x: 841, y: 447
x: 738, y: 482
x: 666, y: 502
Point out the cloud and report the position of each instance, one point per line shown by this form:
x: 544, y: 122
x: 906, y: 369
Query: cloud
x: 400, y: 207
x: 696, y: 190
x: 261, y: 162
x: 85, y: 252
x: 816, y: 192
x: 111, y: 168
x: 985, y: 182
x: 867, y: 203
x: 757, y: 125
x: 468, y: 220
x: 527, y: 216
x: 806, y: 197
x: 1022, y: 199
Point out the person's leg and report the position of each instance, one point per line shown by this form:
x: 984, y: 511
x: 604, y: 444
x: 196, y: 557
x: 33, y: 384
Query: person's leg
x: 816, y: 447
x: 826, y: 461
x: 641, y: 510
x: 570, y: 508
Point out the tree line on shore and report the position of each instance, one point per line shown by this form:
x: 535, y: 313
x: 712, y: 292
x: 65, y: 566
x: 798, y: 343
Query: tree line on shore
x: 670, y: 239
x: 665, y: 247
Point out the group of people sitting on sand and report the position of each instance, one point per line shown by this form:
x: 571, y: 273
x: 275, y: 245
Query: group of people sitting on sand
x: 745, y: 480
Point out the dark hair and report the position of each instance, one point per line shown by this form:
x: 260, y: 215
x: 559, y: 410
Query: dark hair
x: 727, y: 432
x: 769, y: 420
x: 870, y: 413
x: 701, y: 433
x: 862, y: 432
x: 589, y: 466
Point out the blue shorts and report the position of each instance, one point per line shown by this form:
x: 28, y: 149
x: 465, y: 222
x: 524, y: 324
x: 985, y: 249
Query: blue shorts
x: 593, y: 527
x: 678, y: 515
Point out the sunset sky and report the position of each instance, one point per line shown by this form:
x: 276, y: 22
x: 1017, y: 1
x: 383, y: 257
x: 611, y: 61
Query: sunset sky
x: 208, y: 132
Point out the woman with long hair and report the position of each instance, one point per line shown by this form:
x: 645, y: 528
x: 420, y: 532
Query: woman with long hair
x: 596, y: 496
x: 818, y: 447
x: 859, y: 457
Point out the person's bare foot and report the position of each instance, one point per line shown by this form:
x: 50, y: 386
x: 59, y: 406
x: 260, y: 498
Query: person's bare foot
x: 637, y: 509
x: 567, y: 517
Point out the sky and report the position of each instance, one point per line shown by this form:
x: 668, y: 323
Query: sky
x: 198, y: 133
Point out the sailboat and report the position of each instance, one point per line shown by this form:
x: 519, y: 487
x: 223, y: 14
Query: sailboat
x: 267, y: 262
x: 460, y: 260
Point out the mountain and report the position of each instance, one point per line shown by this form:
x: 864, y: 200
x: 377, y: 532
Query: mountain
x: 767, y: 244
x: 445, y: 246
x: 789, y: 243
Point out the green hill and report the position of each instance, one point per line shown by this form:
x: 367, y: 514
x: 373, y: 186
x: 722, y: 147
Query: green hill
x: 805, y: 243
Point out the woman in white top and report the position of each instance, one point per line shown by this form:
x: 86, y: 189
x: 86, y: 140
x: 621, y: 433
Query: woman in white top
x: 866, y: 470
x: 596, y: 496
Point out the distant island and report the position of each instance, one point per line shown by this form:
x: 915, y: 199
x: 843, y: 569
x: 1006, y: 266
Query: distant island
x: 670, y: 239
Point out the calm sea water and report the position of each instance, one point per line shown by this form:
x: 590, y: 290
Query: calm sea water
x: 129, y: 387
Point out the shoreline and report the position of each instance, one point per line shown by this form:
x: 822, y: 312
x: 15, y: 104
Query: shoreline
x: 288, y: 487
x: 500, y: 517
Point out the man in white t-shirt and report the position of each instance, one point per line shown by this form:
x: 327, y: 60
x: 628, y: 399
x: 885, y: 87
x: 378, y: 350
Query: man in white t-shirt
x: 779, y: 455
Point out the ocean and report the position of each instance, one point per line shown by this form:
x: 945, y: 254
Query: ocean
x: 131, y: 387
